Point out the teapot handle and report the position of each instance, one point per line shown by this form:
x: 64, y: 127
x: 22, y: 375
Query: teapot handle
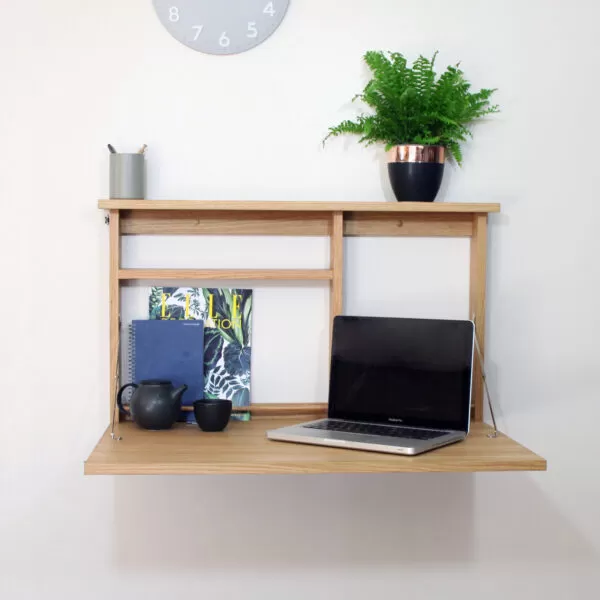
x: 120, y: 396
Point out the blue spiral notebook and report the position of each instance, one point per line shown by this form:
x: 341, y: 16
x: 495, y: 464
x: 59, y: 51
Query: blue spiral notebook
x: 172, y: 350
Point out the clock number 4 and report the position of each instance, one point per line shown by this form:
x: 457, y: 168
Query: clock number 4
x: 269, y: 9
x: 174, y: 14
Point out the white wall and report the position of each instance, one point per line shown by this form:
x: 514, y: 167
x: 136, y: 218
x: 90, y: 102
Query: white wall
x: 76, y: 75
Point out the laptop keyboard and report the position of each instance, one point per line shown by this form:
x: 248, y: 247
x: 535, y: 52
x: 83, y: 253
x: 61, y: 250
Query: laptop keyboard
x: 386, y: 430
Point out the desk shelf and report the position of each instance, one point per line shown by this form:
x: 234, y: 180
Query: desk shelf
x: 243, y: 448
x: 275, y: 206
x: 230, y: 274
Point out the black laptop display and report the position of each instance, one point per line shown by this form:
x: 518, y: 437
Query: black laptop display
x: 410, y: 372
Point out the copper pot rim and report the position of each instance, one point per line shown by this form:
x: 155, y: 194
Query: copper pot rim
x: 417, y: 153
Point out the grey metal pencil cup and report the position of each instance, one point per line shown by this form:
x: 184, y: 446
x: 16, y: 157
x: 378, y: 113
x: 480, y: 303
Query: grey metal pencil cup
x: 127, y: 176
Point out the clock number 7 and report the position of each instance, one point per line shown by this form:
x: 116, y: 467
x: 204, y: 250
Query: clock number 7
x: 198, y: 29
x: 269, y: 9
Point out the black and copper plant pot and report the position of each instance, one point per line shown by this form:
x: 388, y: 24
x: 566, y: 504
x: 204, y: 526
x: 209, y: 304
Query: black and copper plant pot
x: 416, y: 172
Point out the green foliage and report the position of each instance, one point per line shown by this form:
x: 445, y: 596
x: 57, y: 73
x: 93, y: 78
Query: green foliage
x: 223, y: 300
x: 195, y: 305
x: 155, y: 302
x: 413, y: 106
x: 221, y: 384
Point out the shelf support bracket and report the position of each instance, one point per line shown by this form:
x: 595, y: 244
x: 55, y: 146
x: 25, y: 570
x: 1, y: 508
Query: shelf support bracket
x: 485, y: 386
x: 117, y: 382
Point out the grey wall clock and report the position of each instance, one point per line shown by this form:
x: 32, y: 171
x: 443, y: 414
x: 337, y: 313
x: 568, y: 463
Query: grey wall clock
x: 221, y: 26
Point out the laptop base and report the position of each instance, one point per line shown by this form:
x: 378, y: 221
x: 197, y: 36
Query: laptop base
x: 302, y: 434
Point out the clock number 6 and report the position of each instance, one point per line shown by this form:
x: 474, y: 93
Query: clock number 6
x: 224, y: 41
x: 269, y: 9
x: 252, y: 31
x: 173, y: 14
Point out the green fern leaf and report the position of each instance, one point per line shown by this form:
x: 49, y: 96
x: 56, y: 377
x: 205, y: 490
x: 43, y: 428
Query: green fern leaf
x: 411, y: 104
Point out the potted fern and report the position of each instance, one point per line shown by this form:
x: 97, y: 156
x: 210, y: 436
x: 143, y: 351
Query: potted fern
x: 420, y: 117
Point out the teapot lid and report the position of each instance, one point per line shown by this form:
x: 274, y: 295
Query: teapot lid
x: 155, y: 382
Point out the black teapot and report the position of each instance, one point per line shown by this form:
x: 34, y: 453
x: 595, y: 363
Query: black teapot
x: 155, y: 404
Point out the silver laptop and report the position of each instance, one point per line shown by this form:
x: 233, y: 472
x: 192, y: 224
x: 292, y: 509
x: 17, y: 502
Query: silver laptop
x: 401, y: 386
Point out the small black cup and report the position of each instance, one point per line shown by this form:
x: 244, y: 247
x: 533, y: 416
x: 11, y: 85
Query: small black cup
x: 212, y: 415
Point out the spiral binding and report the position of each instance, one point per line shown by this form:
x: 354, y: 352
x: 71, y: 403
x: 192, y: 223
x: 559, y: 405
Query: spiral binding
x: 131, y: 360
x: 131, y: 353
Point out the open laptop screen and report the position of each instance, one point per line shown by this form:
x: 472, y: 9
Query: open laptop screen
x: 409, y: 371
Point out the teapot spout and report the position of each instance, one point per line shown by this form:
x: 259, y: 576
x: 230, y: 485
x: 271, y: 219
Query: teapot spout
x: 177, y: 393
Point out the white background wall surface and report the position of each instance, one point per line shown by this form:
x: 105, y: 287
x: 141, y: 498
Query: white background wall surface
x: 75, y: 75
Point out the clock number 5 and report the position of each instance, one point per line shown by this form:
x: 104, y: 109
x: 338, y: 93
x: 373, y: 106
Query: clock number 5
x: 269, y: 10
x: 252, y: 31
x: 224, y: 41
x: 173, y: 14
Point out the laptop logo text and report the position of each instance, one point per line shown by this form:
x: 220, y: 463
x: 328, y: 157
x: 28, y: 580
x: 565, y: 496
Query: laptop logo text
x: 395, y: 420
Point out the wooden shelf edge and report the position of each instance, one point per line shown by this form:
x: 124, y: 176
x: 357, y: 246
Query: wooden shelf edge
x: 316, y: 409
x: 243, y: 449
x: 230, y: 274
x: 300, y: 206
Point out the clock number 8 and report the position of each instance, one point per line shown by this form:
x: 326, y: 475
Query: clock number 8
x: 173, y: 14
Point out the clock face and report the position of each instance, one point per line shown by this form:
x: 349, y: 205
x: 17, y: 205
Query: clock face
x: 221, y: 26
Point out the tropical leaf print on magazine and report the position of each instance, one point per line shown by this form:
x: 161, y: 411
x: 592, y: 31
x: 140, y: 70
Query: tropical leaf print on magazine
x: 227, y: 316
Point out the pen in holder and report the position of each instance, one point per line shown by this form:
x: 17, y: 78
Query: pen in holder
x: 127, y: 176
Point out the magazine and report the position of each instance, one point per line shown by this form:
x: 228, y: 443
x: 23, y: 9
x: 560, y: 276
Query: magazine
x: 227, y: 316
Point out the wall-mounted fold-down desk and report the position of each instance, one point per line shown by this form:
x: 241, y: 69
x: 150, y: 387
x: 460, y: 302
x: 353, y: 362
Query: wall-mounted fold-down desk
x: 243, y: 448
